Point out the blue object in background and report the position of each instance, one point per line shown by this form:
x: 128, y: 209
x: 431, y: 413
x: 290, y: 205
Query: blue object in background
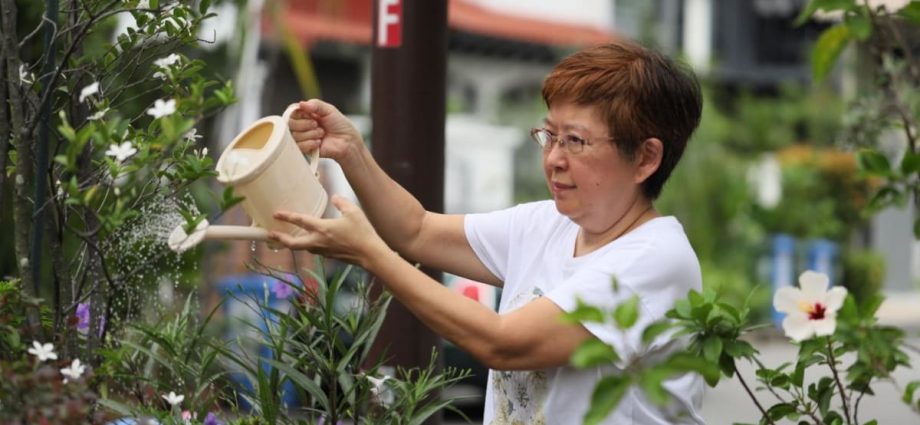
x: 782, y: 269
x: 244, y: 298
x: 822, y: 257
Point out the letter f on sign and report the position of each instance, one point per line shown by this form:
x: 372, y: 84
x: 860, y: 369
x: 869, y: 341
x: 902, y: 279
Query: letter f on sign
x: 389, y: 23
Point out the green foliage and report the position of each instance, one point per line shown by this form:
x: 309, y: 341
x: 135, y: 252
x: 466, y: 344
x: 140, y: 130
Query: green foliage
x: 32, y: 391
x: 863, y: 274
x: 175, y: 354
x: 324, y: 351
x: 889, y: 102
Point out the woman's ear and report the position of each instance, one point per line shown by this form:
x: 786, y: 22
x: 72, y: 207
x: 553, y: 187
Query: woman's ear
x: 648, y: 158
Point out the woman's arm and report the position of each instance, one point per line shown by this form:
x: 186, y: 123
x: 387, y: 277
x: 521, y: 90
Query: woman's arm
x: 529, y: 338
x: 435, y: 240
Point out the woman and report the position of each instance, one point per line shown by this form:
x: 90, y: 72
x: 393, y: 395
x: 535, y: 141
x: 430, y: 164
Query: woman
x: 619, y: 118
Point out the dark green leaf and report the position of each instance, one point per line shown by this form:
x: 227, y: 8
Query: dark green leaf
x: 203, y: 6
x: 874, y: 162
x: 593, y: 352
x: 829, y: 46
x: 910, y: 164
x: 627, y: 313
x: 911, y: 12
x: 859, y: 24
x: 780, y: 410
x: 654, y: 330
x: 607, y: 395
x: 712, y: 348
x: 739, y: 349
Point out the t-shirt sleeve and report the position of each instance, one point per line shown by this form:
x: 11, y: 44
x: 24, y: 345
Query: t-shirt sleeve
x: 594, y: 286
x: 489, y: 234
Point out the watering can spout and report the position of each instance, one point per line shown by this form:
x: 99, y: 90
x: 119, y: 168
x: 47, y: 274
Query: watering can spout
x: 180, y: 240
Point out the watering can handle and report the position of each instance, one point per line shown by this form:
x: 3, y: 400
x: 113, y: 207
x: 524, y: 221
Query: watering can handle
x: 314, y: 156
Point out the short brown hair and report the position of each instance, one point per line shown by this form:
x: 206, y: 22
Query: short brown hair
x: 641, y: 94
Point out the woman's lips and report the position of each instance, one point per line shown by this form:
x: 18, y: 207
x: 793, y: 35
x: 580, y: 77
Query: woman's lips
x: 561, y: 187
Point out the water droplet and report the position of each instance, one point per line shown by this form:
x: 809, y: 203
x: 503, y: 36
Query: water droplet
x: 252, y: 246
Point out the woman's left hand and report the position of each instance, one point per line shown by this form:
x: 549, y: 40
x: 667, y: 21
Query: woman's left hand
x: 350, y: 238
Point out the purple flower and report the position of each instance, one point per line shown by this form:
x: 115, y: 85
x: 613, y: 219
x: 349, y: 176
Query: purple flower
x: 211, y: 419
x: 83, y: 317
x: 282, y: 290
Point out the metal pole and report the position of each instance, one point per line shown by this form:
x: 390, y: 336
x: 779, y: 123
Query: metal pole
x: 408, y: 113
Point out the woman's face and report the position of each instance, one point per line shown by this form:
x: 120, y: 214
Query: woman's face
x: 596, y: 186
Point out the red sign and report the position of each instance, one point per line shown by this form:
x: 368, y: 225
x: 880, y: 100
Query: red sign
x: 389, y: 23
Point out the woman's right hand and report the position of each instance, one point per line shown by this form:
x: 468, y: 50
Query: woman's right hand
x: 319, y: 125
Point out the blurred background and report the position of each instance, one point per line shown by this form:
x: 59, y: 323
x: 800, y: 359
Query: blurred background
x: 769, y: 186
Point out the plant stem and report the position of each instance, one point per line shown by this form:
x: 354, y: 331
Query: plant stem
x: 751, y: 394
x: 832, y: 363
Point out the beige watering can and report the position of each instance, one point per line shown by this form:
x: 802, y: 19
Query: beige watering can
x: 264, y: 165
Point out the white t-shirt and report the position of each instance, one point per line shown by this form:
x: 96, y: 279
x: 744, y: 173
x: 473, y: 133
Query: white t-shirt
x: 530, y: 248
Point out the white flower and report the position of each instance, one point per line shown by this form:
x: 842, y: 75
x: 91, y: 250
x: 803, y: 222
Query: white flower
x: 167, y: 61
x: 98, y: 115
x: 162, y: 108
x: 89, y: 91
x: 75, y: 371
x: 25, y: 76
x: 380, y: 390
x: 43, y: 351
x: 191, y: 135
x: 811, y: 310
x: 159, y: 75
x: 121, y: 152
x: 173, y: 399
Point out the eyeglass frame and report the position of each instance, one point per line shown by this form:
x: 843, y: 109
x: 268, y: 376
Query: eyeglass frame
x: 564, y: 141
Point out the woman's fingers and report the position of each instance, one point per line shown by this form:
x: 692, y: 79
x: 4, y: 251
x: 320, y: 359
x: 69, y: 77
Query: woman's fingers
x: 305, y: 221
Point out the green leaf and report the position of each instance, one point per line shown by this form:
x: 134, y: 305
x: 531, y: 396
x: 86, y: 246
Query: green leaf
x: 873, y: 162
x: 829, y: 46
x: 911, y: 12
x: 739, y: 349
x: 712, y: 348
x: 607, y: 395
x: 654, y: 330
x: 627, y: 313
x: 910, y: 164
x: 780, y: 410
x: 917, y: 228
x: 593, y: 352
x: 584, y: 313
x: 859, y: 25
x: 203, y: 6
x: 909, y: 392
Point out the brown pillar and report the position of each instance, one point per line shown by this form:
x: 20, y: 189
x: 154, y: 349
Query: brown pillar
x: 408, y: 113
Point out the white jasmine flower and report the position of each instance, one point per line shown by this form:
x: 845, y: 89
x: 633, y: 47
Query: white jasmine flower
x: 43, y: 351
x: 811, y: 310
x: 121, y: 152
x: 191, y: 135
x: 98, y: 115
x: 380, y: 390
x: 173, y: 399
x: 75, y: 371
x: 167, y: 61
x: 159, y: 75
x: 25, y: 77
x: 162, y: 108
x: 89, y: 91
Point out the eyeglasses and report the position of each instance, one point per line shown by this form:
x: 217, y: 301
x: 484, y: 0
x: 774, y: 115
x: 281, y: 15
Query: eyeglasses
x: 570, y: 142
